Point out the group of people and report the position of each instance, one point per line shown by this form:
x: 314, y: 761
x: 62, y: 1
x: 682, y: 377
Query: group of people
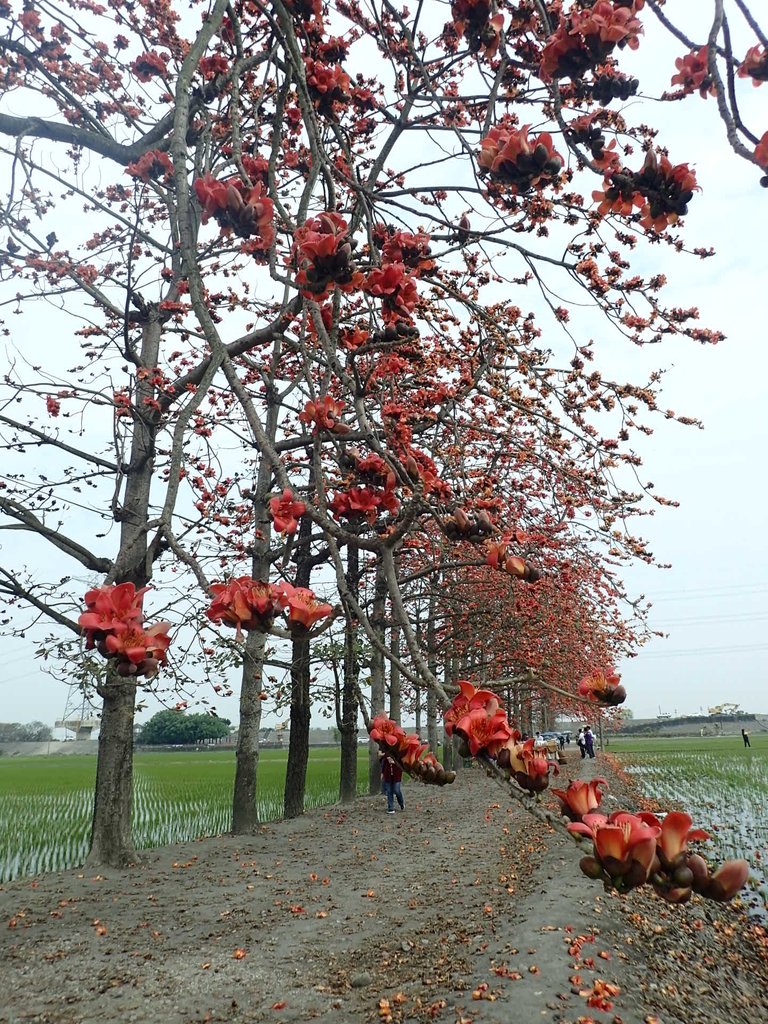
x: 586, y: 742
x: 392, y: 773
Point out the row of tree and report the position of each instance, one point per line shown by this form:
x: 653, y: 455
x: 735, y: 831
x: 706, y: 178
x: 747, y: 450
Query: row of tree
x: 326, y: 329
x: 25, y: 732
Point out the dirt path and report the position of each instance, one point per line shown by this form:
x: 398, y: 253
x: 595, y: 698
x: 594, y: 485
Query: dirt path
x: 462, y: 909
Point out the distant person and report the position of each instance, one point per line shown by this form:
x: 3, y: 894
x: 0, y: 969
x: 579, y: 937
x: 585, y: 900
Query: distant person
x: 589, y: 741
x: 561, y: 740
x: 745, y: 737
x: 391, y: 777
x: 582, y: 743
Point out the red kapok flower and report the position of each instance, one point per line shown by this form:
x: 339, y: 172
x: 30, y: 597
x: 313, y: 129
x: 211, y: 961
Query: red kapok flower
x: 610, y: 23
x: 581, y: 797
x: 286, y: 512
x: 385, y: 730
x: 303, y: 608
x: 693, y: 73
x: 397, y: 289
x: 322, y: 255
x: 328, y: 84
x: 324, y: 413
x: 755, y: 65
x: 149, y: 64
x: 137, y: 644
x: 109, y: 607
x: 624, y: 847
x: 237, y: 208
x: 675, y: 832
x: 729, y: 878
x: 151, y: 165
x: 522, y: 163
x: 113, y: 623
x: 484, y: 729
x: 761, y: 152
x: 603, y: 686
x: 466, y: 700
x: 245, y: 603
x: 529, y: 767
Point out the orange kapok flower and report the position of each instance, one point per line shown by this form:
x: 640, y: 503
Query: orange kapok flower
x: 529, y: 768
x: 110, y: 606
x: 729, y: 879
x: 675, y: 832
x: 624, y: 847
x: 113, y: 623
x: 581, y: 797
x: 286, y: 512
x: 303, y: 608
x: 466, y: 700
x: 143, y: 649
x: 602, y: 685
x: 245, y: 603
x: 484, y: 729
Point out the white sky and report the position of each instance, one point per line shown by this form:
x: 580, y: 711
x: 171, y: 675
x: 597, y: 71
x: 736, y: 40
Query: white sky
x: 713, y: 602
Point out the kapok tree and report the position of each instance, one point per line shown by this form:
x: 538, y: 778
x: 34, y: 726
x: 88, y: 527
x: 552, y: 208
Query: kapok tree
x: 329, y: 272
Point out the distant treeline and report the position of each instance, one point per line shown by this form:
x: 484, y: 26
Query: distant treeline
x: 25, y: 732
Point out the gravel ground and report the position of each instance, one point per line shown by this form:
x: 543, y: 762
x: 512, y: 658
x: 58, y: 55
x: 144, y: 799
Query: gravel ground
x: 463, y: 909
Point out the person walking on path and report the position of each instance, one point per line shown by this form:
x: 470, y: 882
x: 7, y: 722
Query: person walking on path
x: 582, y: 743
x: 391, y: 777
x: 745, y: 737
x: 589, y: 741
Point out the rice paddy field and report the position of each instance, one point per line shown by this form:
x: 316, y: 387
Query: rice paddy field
x: 721, y: 784
x: 46, y: 803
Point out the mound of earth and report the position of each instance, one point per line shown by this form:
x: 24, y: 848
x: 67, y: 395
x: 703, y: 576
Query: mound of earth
x: 463, y: 909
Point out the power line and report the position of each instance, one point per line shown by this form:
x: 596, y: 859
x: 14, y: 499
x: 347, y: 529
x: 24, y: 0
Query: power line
x: 701, y: 593
x: 756, y: 617
x: 703, y: 652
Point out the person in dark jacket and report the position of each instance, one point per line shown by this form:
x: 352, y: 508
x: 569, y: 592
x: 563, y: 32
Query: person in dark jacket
x: 391, y: 776
x: 589, y: 741
x: 745, y: 737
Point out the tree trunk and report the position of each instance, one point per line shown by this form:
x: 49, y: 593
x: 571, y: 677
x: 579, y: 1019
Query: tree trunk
x: 301, y: 701
x: 298, y: 746
x: 378, y: 623
x: 394, y: 674
x: 432, y: 662
x: 348, y: 779
x: 244, y: 810
x: 111, y: 839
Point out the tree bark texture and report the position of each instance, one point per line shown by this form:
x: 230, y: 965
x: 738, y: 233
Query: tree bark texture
x: 111, y: 841
x: 301, y: 711
x: 348, y: 779
x: 244, y: 810
x: 301, y: 700
x: 111, y: 838
x: 377, y: 620
x: 394, y: 674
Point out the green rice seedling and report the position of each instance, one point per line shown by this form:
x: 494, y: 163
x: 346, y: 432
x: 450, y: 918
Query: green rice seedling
x: 46, y: 803
x: 725, y: 790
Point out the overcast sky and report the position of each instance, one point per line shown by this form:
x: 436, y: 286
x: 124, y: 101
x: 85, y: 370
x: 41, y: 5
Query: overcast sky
x: 713, y: 602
